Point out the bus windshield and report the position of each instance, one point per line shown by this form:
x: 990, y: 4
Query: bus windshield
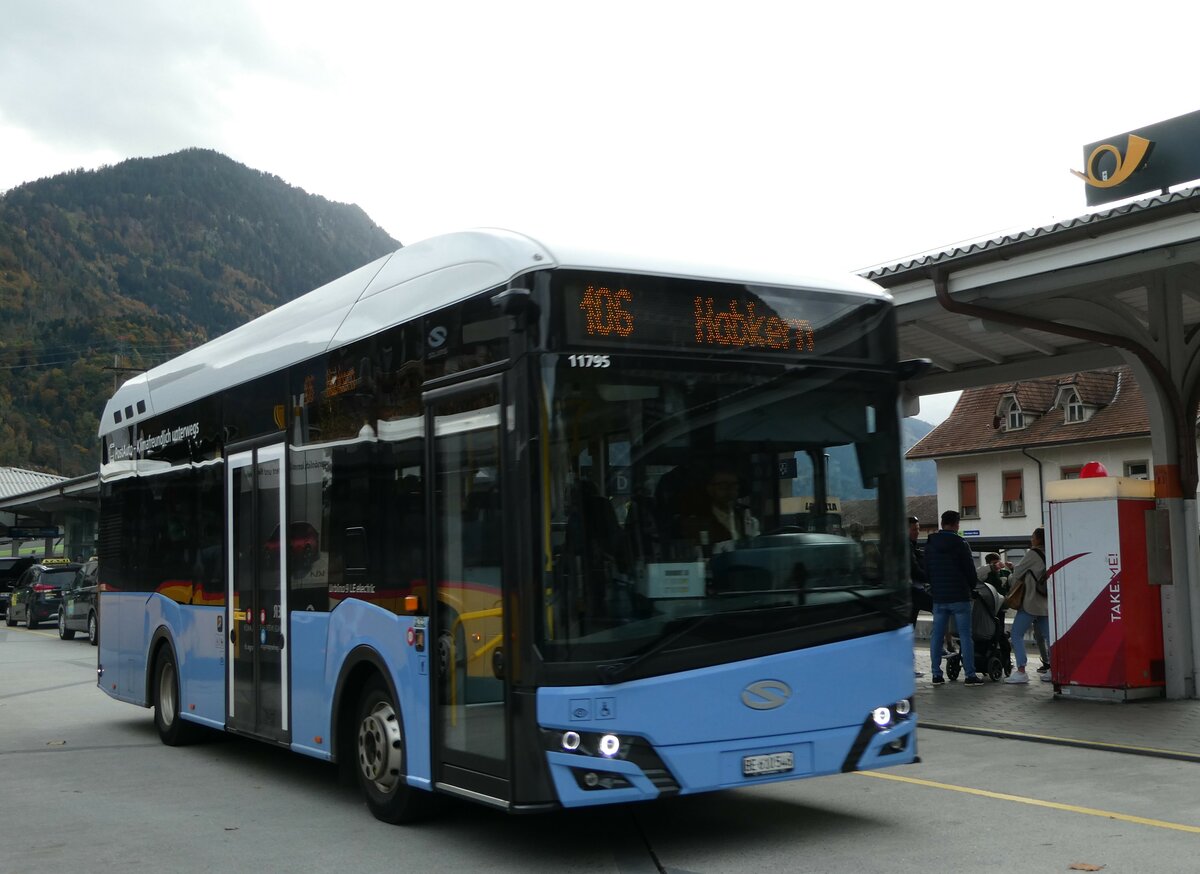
x: 692, y: 503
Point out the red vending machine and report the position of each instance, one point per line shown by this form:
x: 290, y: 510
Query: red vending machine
x: 1105, y: 618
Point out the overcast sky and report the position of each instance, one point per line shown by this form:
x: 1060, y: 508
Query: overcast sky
x: 831, y: 136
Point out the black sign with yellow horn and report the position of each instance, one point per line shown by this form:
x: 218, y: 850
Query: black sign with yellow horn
x: 1152, y: 158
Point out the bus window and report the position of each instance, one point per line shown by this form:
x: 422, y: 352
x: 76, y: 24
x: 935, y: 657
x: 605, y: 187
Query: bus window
x: 688, y: 489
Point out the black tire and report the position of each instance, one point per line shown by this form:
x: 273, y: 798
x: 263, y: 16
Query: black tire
x: 64, y: 633
x: 30, y: 622
x: 173, y: 729
x: 93, y: 631
x: 995, y: 668
x: 9, y: 619
x: 381, y: 758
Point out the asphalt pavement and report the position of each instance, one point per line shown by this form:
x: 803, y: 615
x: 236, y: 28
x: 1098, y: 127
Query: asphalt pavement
x: 1033, y: 712
x: 87, y: 786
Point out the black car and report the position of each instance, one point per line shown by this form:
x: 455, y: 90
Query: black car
x: 11, y: 568
x: 81, y: 605
x: 37, y: 596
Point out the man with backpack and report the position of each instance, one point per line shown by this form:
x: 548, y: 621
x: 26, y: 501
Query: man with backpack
x: 1028, y: 593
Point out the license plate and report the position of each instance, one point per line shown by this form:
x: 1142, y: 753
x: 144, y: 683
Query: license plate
x: 771, y: 763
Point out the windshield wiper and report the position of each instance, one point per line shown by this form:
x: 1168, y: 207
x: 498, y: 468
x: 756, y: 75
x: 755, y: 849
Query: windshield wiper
x: 610, y: 674
x: 891, y: 611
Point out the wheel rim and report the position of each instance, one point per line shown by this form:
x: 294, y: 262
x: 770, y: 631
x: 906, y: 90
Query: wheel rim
x: 92, y: 628
x: 62, y: 624
x: 166, y: 694
x: 380, y: 747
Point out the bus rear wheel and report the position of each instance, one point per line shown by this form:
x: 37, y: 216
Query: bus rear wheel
x: 173, y: 730
x: 380, y: 752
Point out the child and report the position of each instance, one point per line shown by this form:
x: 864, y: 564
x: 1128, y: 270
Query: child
x: 996, y: 572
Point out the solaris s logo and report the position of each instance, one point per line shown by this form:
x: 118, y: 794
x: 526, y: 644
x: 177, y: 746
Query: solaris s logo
x: 766, y: 694
x: 1137, y: 151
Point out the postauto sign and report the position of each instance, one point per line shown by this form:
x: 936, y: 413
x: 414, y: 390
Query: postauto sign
x: 1140, y: 161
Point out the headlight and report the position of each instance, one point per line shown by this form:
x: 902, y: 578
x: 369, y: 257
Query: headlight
x: 610, y: 745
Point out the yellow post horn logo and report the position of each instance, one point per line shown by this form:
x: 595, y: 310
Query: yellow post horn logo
x: 1135, y: 153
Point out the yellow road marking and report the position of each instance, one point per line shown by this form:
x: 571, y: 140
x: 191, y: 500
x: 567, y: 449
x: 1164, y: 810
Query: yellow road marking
x: 1022, y: 735
x: 1036, y: 802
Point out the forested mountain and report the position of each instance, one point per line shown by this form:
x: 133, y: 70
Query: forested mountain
x: 128, y: 265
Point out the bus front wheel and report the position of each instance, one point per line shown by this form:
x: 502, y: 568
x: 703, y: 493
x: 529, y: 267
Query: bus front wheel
x: 381, y: 758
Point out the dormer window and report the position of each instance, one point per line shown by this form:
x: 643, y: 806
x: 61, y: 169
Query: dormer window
x: 1011, y: 415
x: 1076, y: 411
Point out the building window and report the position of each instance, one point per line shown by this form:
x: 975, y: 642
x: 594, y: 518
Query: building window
x: 1137, y: 469
x: 1014, y: 419
x: 1010, y: 414
x: 1076, y: 411
x: 1069, y: 472
x: 1013, y: 496
x: 968, y: 497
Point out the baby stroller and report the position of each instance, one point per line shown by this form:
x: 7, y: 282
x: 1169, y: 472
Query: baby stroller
x: 993, y: 652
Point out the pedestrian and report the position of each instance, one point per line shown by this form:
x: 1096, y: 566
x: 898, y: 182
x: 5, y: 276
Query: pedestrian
x: 1034, y: 609
x: 1043, y: 645
x: 918, y: 581
x: 996, y: 572
x: 951, y: 572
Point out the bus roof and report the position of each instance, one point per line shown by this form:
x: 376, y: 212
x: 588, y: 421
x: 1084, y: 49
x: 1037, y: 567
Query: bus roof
x: 391, y: 290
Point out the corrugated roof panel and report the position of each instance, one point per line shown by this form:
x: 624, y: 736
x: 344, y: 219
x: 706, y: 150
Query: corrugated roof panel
x: 16, y: 481
x: 983, y: 244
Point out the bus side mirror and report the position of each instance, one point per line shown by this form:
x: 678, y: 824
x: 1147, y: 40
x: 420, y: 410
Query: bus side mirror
x: 518, y: 305
x: 908, y: 370
x: 869, y: 453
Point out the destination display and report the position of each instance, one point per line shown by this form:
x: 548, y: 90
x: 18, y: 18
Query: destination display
x: 614, y: 311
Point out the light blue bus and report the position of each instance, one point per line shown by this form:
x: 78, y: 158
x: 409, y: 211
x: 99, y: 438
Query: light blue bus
x: 504, y: 520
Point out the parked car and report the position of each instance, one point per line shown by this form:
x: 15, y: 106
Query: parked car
x: 81, y: 604
x: 37, y: 596
x: 11, y: 568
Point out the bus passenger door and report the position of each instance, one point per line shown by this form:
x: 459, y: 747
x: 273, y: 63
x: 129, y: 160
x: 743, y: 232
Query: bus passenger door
x: 470, y: 715
x: 256, y: 593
